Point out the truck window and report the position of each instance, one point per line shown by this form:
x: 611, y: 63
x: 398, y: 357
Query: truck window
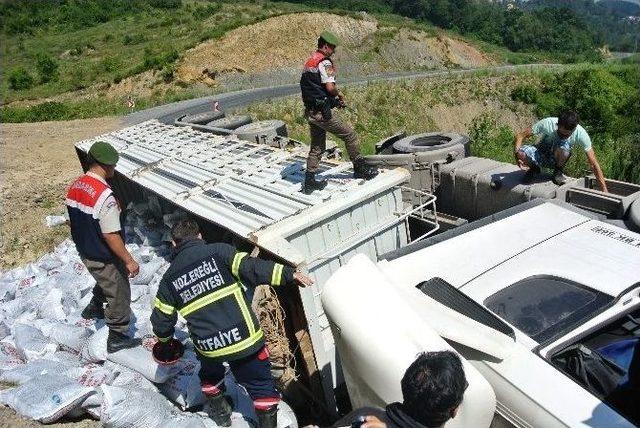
x: 546, y: 306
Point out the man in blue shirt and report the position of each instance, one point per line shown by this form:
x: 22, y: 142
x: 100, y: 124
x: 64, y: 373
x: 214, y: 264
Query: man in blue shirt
x: 558, y: 137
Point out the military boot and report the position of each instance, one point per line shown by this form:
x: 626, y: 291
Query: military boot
x: 362, y: 170
x: 117, y: 341
x: 219, y: 408
x: 268, y: 418
x: 94, y: 310
x: 311, y: 184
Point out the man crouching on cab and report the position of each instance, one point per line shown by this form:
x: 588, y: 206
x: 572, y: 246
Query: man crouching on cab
x: 204, y: 284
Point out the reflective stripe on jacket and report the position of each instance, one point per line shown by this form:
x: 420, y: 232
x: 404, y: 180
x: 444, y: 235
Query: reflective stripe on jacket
x: 84, y: 201
x: 204, y: 284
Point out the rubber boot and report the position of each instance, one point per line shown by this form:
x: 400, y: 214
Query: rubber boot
x: 94, y: 310
x: 531, y: 174
x: 558, y: 177
x: 362, y: 170
x: 117, y: 341
x: 219, y: 409
x: 268, y: 418
x: 311, y: 184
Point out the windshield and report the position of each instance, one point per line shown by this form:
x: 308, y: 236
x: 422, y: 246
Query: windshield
x: 544, y: 306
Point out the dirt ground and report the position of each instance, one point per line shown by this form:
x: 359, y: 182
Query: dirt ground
x: 37, y: 163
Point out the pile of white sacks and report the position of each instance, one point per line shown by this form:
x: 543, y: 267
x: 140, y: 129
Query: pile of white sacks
x: 59, y: 363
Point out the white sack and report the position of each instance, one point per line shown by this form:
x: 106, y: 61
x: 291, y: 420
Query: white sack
x: 31, y: 342
x: 147, y: 271
x: 70, y: 337
x: 25, y: 372
x: 4, y: 330
x: 139, y: 359
x: 128, y: 378
x: 46, y: 398
x: 141, y: 408
x: 184, y: 388
x: 10, y: 357
x: 51, y: 306
x: 49, y: 261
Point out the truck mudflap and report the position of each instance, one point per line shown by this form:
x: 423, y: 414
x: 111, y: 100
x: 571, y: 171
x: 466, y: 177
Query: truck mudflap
x: 378, y: 336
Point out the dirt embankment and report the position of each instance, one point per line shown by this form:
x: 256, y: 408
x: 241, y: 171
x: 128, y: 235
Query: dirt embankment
x: 37, y: 163
x: 272, y: 51
x: 284, y: 42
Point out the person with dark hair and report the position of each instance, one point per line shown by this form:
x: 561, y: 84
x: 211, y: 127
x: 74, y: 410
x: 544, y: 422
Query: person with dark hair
x: 558, y: 137
x: 320, y: 95
x: 205, y: 284
x: 96, y: 229
x: 432, y: 390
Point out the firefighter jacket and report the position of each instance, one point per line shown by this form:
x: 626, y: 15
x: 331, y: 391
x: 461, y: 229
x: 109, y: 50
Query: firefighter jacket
x: 204, y: 284
x: 84, y: 200
x: 314, y: 92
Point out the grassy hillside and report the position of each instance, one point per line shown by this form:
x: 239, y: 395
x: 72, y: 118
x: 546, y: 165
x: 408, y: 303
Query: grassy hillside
x: 67, y: 59
x: 492, y: 107
x: 57, y: 51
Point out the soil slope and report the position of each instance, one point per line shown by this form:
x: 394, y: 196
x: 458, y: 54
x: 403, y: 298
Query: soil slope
x: 284, y: 42
x: 37, y: 163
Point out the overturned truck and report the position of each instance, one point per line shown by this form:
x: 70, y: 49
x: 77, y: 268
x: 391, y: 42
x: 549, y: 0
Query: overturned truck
x: 246, y: 191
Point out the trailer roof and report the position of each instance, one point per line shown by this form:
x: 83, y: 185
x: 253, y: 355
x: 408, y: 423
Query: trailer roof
x: 250, y: 189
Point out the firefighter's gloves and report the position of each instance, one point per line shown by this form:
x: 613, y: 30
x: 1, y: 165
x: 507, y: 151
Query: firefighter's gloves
x: 302, y: 280
x: 167, y: 352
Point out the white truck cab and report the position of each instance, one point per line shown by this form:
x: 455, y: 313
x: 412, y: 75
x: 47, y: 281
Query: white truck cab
x: 543, y: 306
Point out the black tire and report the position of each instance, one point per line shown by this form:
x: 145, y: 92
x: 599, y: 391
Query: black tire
x: 256, y: 130
x: 202, y: 118
x: 634, y: 216
x: 230, y: 122
x: 428, y: 142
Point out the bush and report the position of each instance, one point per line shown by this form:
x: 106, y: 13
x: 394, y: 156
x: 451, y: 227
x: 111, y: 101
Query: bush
x: 491, y: 140
x: 596, y: 94
x: 527, y: 94
x: 47, y: 68
x: 38, y: 113
x: 19, y: 79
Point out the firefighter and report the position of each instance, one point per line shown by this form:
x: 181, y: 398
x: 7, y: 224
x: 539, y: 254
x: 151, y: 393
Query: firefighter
x: 320, y: 95
x: 96, y: 229
x: 205, y: 285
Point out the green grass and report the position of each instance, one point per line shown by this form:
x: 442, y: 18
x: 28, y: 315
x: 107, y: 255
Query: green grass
x: 113, y: 50
x: 378, y: 110
x: 602, y: 94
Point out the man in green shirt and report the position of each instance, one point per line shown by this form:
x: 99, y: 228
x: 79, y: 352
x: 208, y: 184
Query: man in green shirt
x: 559, y: 135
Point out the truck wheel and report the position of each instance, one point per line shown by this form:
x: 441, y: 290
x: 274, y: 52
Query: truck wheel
x: 428, y: 142
x: 230, y: 122
x: 255, y: 130
x: 202, y: 118
x: 634, y: 215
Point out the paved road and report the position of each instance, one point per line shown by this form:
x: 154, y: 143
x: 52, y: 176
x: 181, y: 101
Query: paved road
x: 169, y: 112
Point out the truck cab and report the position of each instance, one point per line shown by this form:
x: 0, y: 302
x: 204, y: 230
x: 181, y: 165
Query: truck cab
x: 542, y: 304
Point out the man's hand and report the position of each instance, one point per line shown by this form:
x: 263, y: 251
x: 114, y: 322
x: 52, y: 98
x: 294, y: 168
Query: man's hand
x: 373, y: 422
x: 341, y: 102
x: 133, y: 268
x: 521, y: 164
x: 302, y: 280
x: 116, y: 244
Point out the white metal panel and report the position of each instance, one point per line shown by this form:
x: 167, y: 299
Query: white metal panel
x: 461, y: 259
x: 254, y: 191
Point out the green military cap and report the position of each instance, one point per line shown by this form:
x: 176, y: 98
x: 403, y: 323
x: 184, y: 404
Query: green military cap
x: 104, y: 153
x: 330, y: 38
